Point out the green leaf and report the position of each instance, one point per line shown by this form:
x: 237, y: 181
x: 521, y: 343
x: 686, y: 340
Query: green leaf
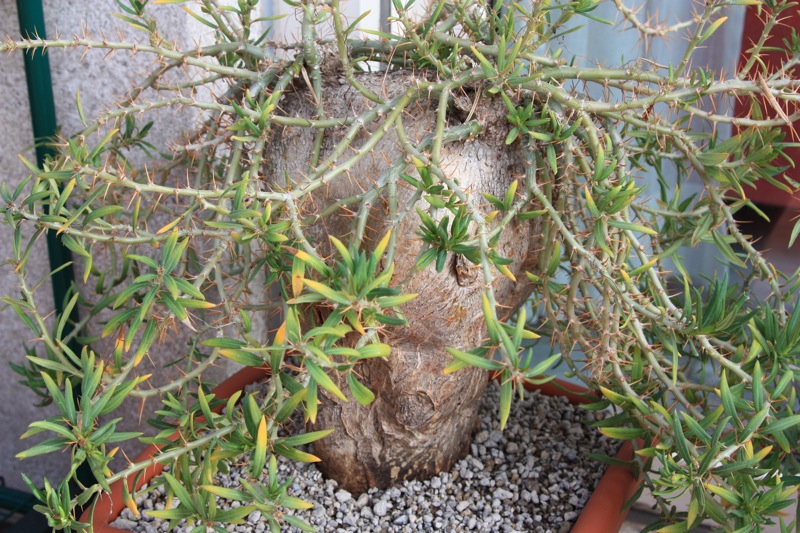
x: 528, y: 215
x: 590, y: 203
x: 65, y: 315
x: 506, y: 392
x: 543, y: 366
x: 290, y: 405
x: 727, y: 400
x: 726, y: 250
x: 298, y: 523
x: 295, y: 454
x: 180, y: 491
x: 510, y: 193
x: 680, y: 439
x: 343, y: 251
x: 259, y: 457
x: 630, y: 226
x: 324, y: 380
x: 242, y: 357
x: 74, y: 246
x: 725, y: 494
x: 612, y: 396
x: 233, y: 516
x: 204, y: 407
x: 126, y: 295
x: 305, y: 438
x: 473, y: 360
x: 57, y: 396
x: 622, y: 433
x: 99, y: 148
x: 712, y: 28
x: 148, y: 337
x: 394, y: 301
x: 377, y: 349
x: 55, y: 444
x: 222, y: 342
x: 696, y: 429
x: 784, y: 382
x: 189, y: 289
x: 540, y: 136
x: 713, y: 508
x: 712, y: 159
x: 51, y: 365
x: 555, y: 259
x: 171, y: 514
x: 390, y: 320
x: 327, y: 292
x: 149, y: 261
x: 314, y: 262
x: 290, y: 502
x: 795, y: 233
x: 755, y: 422
x: 79, y: 106
x: 362, y: 394
x: 551, y: 158
x: 782, y: 424
x: 101, y: 212
x: 512, y: 135
x: 197, y: 17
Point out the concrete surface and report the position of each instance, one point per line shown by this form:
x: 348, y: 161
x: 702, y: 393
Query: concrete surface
x: 99, y: 79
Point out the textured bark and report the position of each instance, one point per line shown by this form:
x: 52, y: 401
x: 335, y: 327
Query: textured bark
x: 421, y: 420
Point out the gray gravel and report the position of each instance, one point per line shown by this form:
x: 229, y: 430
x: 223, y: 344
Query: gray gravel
x: 534, y: 476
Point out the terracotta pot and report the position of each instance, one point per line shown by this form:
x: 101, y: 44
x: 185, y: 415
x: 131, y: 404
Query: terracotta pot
x: 109, y: 506
x: 603, y: 513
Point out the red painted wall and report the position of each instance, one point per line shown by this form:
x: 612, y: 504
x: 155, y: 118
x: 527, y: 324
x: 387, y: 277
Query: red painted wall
x: 754, y: 26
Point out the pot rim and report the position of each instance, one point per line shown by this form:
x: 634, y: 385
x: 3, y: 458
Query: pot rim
x: 604, y: 511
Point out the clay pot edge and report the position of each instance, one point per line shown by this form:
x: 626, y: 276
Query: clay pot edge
x: 604, y: 512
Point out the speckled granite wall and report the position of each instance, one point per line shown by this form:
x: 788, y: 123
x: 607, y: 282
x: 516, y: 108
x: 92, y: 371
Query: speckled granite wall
x: 99, y: 79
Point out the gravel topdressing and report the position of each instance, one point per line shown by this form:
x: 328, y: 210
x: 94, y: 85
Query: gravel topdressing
x: 534, y: 476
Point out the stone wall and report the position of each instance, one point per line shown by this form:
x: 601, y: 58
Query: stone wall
x: 100, y: 79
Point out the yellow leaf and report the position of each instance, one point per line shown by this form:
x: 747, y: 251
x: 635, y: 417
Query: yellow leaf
x: 381, y: 248
x: 280, y: 335
x: 168, y: 226
x: 417, y: 162
x: 261, y: 438
x: 711, y: 29
x: 506, y: 272
x: 297, y: 283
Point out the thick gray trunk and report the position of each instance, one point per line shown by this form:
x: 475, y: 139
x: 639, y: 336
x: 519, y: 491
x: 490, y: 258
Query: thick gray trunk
x: 421, y: 420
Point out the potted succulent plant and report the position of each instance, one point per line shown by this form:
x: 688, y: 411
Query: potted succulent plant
x: 392, y: 203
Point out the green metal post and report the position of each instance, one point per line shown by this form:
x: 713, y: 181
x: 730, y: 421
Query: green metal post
x: 43, y: 117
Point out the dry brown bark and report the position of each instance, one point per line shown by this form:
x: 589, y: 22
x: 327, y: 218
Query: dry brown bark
x: 421, y: 420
